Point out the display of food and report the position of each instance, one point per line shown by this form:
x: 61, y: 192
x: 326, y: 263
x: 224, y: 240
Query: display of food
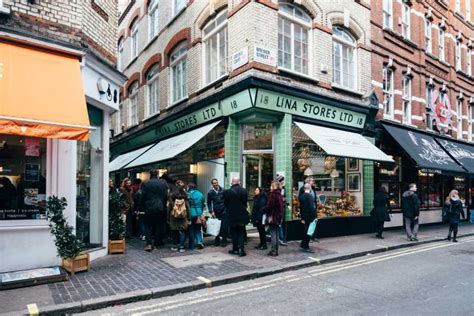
x: 345, y: 205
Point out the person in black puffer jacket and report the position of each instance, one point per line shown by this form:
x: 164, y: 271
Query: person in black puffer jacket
x: 454, y: 213
x: 259, y: 201
x: 411, y: 212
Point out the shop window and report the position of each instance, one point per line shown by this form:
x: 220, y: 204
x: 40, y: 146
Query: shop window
x: 430, y: 189
x: 258, y: 136
x: 458, y: 55
x: 344, y: 58
x: 153, y: 90
x: 294, y: 27
x: 428, y: 37
x: 406, y: 97
x: 389, y: 175
x: 338, y: 180
x: 387, y: 14
x: 441, y: 40
x: 388, y: 91
x: 22, y: 177
x: 133, y: 105
x: 215, y: 48
x: 178, y: 73
x: 406, y: 12
x: 153, y: 19
x: 134, y: 39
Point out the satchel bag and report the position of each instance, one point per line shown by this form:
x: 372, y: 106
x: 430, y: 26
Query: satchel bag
x: 179, y: 209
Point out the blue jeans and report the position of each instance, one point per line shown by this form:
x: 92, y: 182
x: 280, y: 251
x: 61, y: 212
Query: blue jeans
x: 182, y: 238
x: 195, y: 233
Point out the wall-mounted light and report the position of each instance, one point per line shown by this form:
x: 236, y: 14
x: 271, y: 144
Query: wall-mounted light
x: 193, y: 168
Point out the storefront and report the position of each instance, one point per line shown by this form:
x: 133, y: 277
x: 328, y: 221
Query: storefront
x: 262, y: 132
x: 53, y: 141
x: 430, y: 161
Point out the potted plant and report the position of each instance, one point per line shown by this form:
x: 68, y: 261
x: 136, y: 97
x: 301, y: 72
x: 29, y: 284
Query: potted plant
x: 116, y: 224
x: 68, y: 246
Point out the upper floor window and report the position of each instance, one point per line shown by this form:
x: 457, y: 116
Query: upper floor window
x: 294, y: 26
x: 458, y: 55
x: 178, y: 73
x: 469, y: 61
x: 153, y: 90
x: 215, y: 48
x: 133, y: 105
x: 470, y: 110
x: 178, y: 5
x: 441, y: 45
x: 468, y: 10
x: 134, y: 39
x: 117, y: 122
x: 153, y: 18
x: 457, y: 6
x: 388, y: 91
x: 428, y: 43
x: 344, y: 58
x: 120, y: 55
x: 387, y: 14
x: 406, y: 12
x: 429, y: 99
x: 406, y: 97
x: 459, y: 119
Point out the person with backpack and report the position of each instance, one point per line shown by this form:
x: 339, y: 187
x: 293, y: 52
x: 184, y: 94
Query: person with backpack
x: 196, y: 207
x: 154, y: 196
x: 215, y: 205
x: 454, y: 212
x: 179, y: 216
x: 235, y: 202
x: 411, y: 212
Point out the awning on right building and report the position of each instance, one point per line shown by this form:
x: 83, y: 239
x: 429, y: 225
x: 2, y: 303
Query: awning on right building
x: 423, y: 149
x: 462, y: 153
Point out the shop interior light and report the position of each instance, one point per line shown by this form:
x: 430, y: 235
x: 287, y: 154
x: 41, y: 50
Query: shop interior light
x: 193, y: 168
x: 334, y: 174
x: 308, y: 172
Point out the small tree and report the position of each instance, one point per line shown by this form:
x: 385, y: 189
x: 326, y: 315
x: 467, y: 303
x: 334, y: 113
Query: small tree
x: 67, y: 244
x: 116, y: 223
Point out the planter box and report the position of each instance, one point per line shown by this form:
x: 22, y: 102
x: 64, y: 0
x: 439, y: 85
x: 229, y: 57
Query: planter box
x: 116, y: 246
x: 78, y: 264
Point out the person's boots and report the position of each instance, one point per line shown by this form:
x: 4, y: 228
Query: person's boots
x: 455, y: 233
x: 217, y: 241
x: 224, y: 242
x: 242, y: 252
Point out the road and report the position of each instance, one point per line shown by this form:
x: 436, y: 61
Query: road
x: 431, y: 279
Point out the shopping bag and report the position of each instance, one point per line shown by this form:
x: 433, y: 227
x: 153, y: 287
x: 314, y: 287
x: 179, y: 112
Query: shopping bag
x: 312, y: 228
x: 213, y: 226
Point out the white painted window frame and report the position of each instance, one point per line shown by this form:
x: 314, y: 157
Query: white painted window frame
x: 441, y: 45
x: 134, y: 40
x: 132, y: 117
x: 305, y: 25
x: 470, y: 108
x: 469, y: 61
x: 457, y: 5
x: 406, y: 20
x: 117, y: 122
x: 428, y: 36
x: 177, y: 6
x: 388, y: 75
x: 181, y: 62
x: 119, y: 55
x: 215, y: 35
x: 406, y: 99
x: 153, y: 19
x: 352, y: 47
x: 468, y: 10
x: 459, y: 118
x: 457, y: 55
x: 387, y: 14
x: 428, y: 119
x: 153, y: 81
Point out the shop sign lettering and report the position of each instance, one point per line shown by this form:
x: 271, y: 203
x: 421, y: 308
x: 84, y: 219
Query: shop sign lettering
x: 307, y: 108
x: 236, y: 103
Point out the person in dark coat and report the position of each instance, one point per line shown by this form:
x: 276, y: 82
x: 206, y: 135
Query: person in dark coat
x: 308, y: 215
x: 411, y: 212
x: 380, y: 212
x: 235, y: 202
x: 274, y: 209
x: 259, y: 201
x: 179, y: 226
x: 454, y: 213
x: 154, y: 197
x: 215, y: 205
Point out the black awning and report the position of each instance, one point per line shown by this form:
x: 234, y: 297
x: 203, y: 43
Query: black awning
x: 423, y: 149
x: 462, y: 153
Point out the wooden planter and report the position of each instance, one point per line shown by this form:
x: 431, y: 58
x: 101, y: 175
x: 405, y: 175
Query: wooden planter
x: 78, y: 264
x: 116, y: 246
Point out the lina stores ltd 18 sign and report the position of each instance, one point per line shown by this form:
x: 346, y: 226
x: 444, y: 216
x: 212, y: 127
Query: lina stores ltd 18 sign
x: 307, y: 108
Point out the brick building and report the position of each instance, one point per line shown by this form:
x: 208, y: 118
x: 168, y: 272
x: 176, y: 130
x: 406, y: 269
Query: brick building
x: 422, y: 76
x: 259, y: 89
x: 58, y: 87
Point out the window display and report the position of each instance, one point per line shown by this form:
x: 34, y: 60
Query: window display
x: 390, y: 178
x: 22, y: 177
x: 258, y: 136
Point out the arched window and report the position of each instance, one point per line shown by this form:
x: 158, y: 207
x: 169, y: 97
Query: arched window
x: 178, y: 73
x: 133, y: 105
x: 134, y: 39
x: 153, y: 19
x: 153, y: 91
x: 215, y: 48
x: 294, y: 39
x: 344, y: 58
x: 120, y: 54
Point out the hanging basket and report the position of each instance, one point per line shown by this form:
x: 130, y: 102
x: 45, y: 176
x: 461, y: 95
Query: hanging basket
x: 77, y: 264
x: 116, y: 246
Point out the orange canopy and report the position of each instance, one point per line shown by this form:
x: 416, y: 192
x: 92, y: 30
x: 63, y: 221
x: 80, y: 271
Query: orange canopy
x: 41, y: 94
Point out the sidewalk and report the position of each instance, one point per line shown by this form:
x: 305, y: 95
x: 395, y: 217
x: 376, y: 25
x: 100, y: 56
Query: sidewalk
x: 138, y: 275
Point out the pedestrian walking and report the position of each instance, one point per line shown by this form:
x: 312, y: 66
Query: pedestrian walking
x: 411, y: 212
x: 308, y: 215
x: 259, y: 201
x: 454, y: 213
x: 215, y: 205
x: 179, y: 216
x: 380, y: 212
x: 235, y: 202
x: 139, y: 213
x: 154, y: 196
x: 274, y: 209
x: 127, y: 205
x: 196, y: 207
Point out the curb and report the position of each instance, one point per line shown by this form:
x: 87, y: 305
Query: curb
x: 170, y: 290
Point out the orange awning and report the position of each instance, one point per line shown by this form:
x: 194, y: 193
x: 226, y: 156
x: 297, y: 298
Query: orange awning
x: 41, y: 94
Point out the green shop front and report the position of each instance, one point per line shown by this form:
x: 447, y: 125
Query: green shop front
x: 261, y: 131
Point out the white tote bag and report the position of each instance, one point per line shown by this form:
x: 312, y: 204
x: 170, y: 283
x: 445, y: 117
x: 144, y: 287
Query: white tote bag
x: 213, y: 226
